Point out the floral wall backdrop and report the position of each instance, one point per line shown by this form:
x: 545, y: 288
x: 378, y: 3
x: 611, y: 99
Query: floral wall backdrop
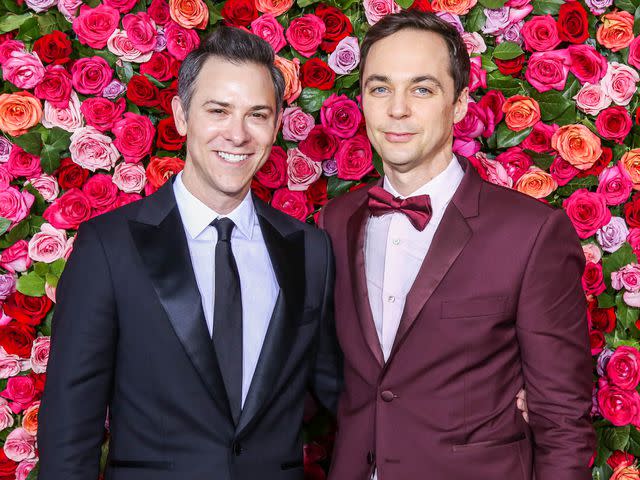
x: 86, y: 127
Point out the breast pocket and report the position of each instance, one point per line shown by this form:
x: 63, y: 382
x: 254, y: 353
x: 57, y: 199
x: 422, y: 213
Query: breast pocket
x: 473, y: 307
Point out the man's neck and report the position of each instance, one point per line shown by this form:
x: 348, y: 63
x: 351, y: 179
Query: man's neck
x: 407, y: 182
x: 217, y: 201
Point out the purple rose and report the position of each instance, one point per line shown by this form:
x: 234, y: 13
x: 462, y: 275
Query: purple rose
x: 330, y: 167
x: 113, y: 90
x: 40, y: 6
x: 345, y: 58
x: 603, y: 360
x: 598, y: 7
x: 7, y: 285
x: 613, y: 234
x: 5, y: 149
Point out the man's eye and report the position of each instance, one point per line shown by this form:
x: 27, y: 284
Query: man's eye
x: 378, y: 90
x: 423, y: 91
x: 216, y: 111
x: 261, y: 116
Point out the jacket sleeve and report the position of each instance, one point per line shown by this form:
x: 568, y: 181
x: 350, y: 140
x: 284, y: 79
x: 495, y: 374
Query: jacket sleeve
x: 81, y: 362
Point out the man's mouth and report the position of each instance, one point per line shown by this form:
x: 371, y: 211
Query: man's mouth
x: 233, y: 157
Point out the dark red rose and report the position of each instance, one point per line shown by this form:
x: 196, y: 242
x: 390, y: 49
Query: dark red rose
x: 160, y: 66
x: 260, y: 191
x: 421, y: 6
x: 317, y: 74
x: 620, y: 458
x: 317, y: 192
x: 39, y: 380
x: 168, y: 136
x: 603, y: 319
x: 601, y: 164
x: 573, y: 25
x: 69, y: 211
x: 55, y: 86
x: 596, y: 341
x: 142, y: 92
x: 101, y: 113
x: 164, y: 99
x: 319, y: 145
x: 7, y: 467
x: 614, y: 123
x: 55, y: 47
x: 593, y: 279
x: 26, y: 309
x: 17, y: 338
x: 273, y: 173
x: 239, y: 13
x: 337, y: 26
x: 159, y: 12
x: 126, y: 198
x: 632, y: 211
x: 71, y: 175
x: 511, y: 67
x: 493, y: 100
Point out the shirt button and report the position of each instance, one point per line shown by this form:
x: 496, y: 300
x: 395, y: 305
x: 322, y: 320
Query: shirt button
x: 396, y: 241
x: 391, y: 299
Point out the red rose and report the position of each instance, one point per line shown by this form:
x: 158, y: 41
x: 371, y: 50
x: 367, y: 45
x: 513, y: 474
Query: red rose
x: 632, y: 211
x: 126, y: 199
x: 142, y: 92
x: 338, y: 26
x: 17, y: 339
x: 134, y: 136
x: 159, y: 12
x: 600, y: 165
x: 101, y: 191
x: 421, y: 6
x: 354, y: 158
x: 593, y: 279
x: 7, y: 467
x: 160, y: 66
x: 620, y: 459
x: 319, y: 145
x: 101, y: 113
x: 165, y: 97
x: 239, y: 13
x: 69, y: 211
x: 123, y: 6
x: 39, y: 380
x: 161, y: 169
x: 539, y: 140
x: 515, y: 161
x: 511, y: 67
x: 573, y: 25
x: 540, y: 34
x: 596, y: 341
x: 493, y: 100
x: 168, y: 136
x: 55, y: 86
x: 293, y: 203
x: 55, y: 47
x: 614, y: 123
x: 317, y: 192
x: 587, y: 64
x: 260, y: 191
x: 71, y: 175
x: 26, y: 309
x: 273, y: 173
x: 317, y: 74
x: 603, y: 319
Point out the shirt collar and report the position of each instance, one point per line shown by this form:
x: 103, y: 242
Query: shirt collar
x: 196, y: 216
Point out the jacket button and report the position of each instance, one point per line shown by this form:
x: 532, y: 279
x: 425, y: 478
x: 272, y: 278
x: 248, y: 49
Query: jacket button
x: 236, y: 448
x: 370, y: 457
x: 387, y: 396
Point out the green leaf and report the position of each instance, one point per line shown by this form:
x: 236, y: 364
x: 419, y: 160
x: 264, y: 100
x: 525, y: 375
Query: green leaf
x: 57, y: 142
x: 475, y: 19
x: 377, y: 163
x: 507, y: 51
x: 31, y: 284
x: 10, y: 21
x: 39, y: 204
x: 41, y: 268
x: 552, y: 104
x: 616, y: 438
x: 29, y: 30
x: 215, y: 12
x: 577, y: 184
x: 603, y: 472
x: 346, y: 81
x: 627, y: 316
x: 50, y: 21
x: 403, y: 3
x: 487, y: 64
x: 57, y: 267
x: 543, y: 7
x: 492, y: 4
x: 572, y: 87
x: 12, y: 6
x: 124, y: 72
x: 30, y: 142
x: 508, y: 138
x: 606, y: 301
x: 542, y: 160
x: 618, y: 259
x: 336, y: 187
x: 634, y: 442
x: 4, y: 225
x: 627, y: 5
x: 306, y: 3
x: 505, y: 83
x: 18, y: 232
x: 311, y: 99
x: 52, y: 280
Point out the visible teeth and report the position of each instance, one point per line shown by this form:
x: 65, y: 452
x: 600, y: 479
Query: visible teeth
x: 232, y: 157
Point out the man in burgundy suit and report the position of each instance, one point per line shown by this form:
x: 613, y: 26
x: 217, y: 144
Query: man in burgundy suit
x: 451, y: 293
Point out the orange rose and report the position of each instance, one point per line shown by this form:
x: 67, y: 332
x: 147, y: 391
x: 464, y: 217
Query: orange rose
x: 577, y: 145
x: 291, y: 72
x: 161, y: 169
x: 521, y: 112
x: 536, y: 183
x: 30, y: 418
x: 189, y: 13
x: 630, y: 162
x: 457, y: 7
x: 274, y: 7
x: 623, y: 472
x: 19, y: 112
x: 616, y: 31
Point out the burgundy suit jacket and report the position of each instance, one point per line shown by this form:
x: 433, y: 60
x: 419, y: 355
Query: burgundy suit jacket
x: 497, y: 305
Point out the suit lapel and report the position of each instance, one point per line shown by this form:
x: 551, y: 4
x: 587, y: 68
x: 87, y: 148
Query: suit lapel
x: 161, y: 241
x: 287, y: 255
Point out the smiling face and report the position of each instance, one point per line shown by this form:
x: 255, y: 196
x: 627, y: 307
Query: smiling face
x: 409, y: 104
x: 230, y: 125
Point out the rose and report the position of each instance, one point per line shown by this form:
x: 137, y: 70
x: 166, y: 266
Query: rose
x: 160, y: 12
x: 100, y: 191
x: 90, y: 75
x: 317, y: 192
x: 160, y: 66
x: 619, y: 458
x: 69, y: 8
x: 8, y: 47
x: 515, y: 161
x: 577, y: 145
x: 634, y: 240
x: 627, y: 277
x: 55, y: 86
x: 562, y: 171
x: 239, y: 13
x: 129, y: 178
x: 260, y: 191
x: 166, y: 96
x: 632, y: 212
x: 15, y: 205
x: 305, y: 34
x: 301, y: 170
x: 19, y: 445
x: 141, y: 30
x: 593, y: 279
x: 616, y: 30
x: 54, y: 47
x: 540, y: 34
x: 292, y: 203
x: 340, y: 116
x: 634, y: 53
x: 465, y: 147
x: 48, y: 245
x: 273, y: 173
x: 354, y: 158
x: 7, y: 467
x: 113, y: 90
x: 630, y: 163
x: 456, y: 7
x: 573, y: 23
x: 602, y: 161
x: 346, y: 56
x: 511, y: 67
x: 274, y: 7
x: 15, y: 258
x: 623, y: 369
x: 23, y: 164
x: 189, y: 13
x: 161, y: 169
x: 592, y: 99
x: 69, y: 118
x: 618, y: 406
x: 539, y: 140
x: 536, y: 183
x: 598, y: 7
x: 94, y: 26
x: 521, y: 112
x: 317, y: 74
x: 626, y: 472
x: 69, y: 211
x: 548, y: 70
x: 478, y: 121
x: 126, y: 199
x: 10, y: 366
x: 5, y: 149
x: 477, y: 75
x: 71, y: 175
x: 121, y: 45
x: 7, y: 285
x: 24, y: 70
x: 181, y: 41
x: 613, y: 235
x: 474, y: 42
x: 615, y: 185
x: 290, y: 70
x: 620, y: 83
x: 101, y: 113
x: 587, y: 211
x: 319, y: 144
x: 17, y: 338
x: 134, y: 136
x: 20, y: 390
x: 603, y: 319
x: 269, y: 29
x: 123, y: 6
x: 142, y: 92
x: 337, y: 24
x: 19, y: 112
x: 30, y: 415
x: 25, y: 467
x: 168, y: 136
x: 586, y: 63
x: 375, y: 10
x: 494, y: 171
x: 92, y: 150
x: 296, y: 124
x: 614, y: 123
x: 6, y: 415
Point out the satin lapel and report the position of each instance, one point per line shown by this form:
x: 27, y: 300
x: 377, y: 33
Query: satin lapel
x: 165, y: 255
x: 356, y: 230
x: 287, y: 255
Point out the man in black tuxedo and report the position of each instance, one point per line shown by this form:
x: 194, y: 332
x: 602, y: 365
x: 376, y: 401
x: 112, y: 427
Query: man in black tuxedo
x: 199, y: 315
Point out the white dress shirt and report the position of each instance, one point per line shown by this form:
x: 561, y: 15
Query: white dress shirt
x: 258, y: 284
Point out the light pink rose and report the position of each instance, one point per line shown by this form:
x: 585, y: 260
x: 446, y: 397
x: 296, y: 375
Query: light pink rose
x: 6, y: 415
x: 40, y: 6
x: 20, y: 445
x: 627, y: 277
x: 92, y: 150
x: 16, y: 257
x: 632, y: 299
x: 615, y: 184
x: 269, y: 29
x: 592, y: 99
x: 50, y: 291
x: 620, y: 83
x: 120, y: 45
x: 24, y: 70
x: 24, y: 468
x: 129, y: 177
x: 141, y: 30
x: 15, y: 205
x: 474, y: 42
x: 301, y: 170
x: 47, y: 185
x: 69, y: 8
x: 374, y: 10
x: 496, y: 173
x: 40, y: 354
x: 296, y: 124
x: 592, y: 252
x: 69, y: 118
x: 10, y: 366
x: 48, y: 245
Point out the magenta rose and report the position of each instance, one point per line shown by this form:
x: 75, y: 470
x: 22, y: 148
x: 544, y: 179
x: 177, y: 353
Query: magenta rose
x: 548, y: 70
x: 301, y: 170
x: 69, y: 211
x: 587, y: 64
x: 620, y: 407
x: 634, y: 53
x: 55, y: 86
x: 15, y: 205
x: 16, y: 257
x: 101, y: 191
x: 477, y: 75
x: 94, y: 26
x: 129, y: 177
x: 340, y: 116
x: 623, y: 369
x: 123, y: 6
x: 273, y: 173
x: 540, y: 34
x: 141, y: 30
x: 562, y: 171
x: 24, y: 70
x: 539, y: 140
x: 296, y: 124
x: 494, y: 100
x: 8, y: 47
x: 90, y: 75
x: 614, y: 185
x: 20, y: 390
x: 23, y: 164
x: 587, y: 211
x: 515, y: 161
x: 478, y: 121
x: 101, y: 113
x: 305, y: 34
x: 614, y: 123
x: 292, y: 203
x: 269, y: 29
x: 354, y: 158
x: 634, y: 240
x: 180, y: 41
x: 134, y: 136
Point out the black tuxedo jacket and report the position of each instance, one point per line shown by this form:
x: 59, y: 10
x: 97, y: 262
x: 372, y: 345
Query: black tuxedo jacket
x: 129, y: 334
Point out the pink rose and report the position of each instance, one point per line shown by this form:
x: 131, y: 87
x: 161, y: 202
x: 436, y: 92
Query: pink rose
x: 587, y: 64
x: 477, y: 75
x: 134, y: 136
x: 129, y: 177
x: 269, y: 29
x: 6, y: 415
x: 101, y: 191
x: 24, y: 468
x: 296, y: 124
x: 562, y: 171
x: 8, y: 47
x: 374, y: 10
x: 340, y: 116
x: 494, y: 171
x: 294, y: 204
x: 94, y: 26
x: 587, y: 211
x: 466, y: 148
x: 10, y: 366
x: 354, y: 158
x: 515, y: 161
x: 141, y: 30
x: 21, y: 391
x: 180, y: 41
x: 478, y: 121
x: 121, y: 45
x: 16, y: 257
x: 40, y: 354
x: 273, y: 173
x: 623, y: 368
x: 15, y: 205
x: 627, y: 277
x: 20, y: 445
x: 90, y: 75
x: 24, y: 70
x: 23, y: 164
x: 592, y: 99
x: 474, y: 42
x: 68, y: 118
x: 92, y: 150
x: 634, y: 240
x: 69, y: 8
x: 48, y: 245
x: 634, y: 53
x: 619, y: 406
x: 592, y: 252
x: 548, y: 70
x: 620, y: 83
x: 305, y: 34
x: 47, y: 185
x: 69, y: 211
x: 55, y: 86
x: 614, y: 123
x: 123, y: 6
x: 7, y: 285
x: 301, y: 170
x: 540, y: 34
x: 101, y: 113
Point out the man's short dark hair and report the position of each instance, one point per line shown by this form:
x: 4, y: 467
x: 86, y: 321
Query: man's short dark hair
x: 235, y: 46
x: 459, y: 63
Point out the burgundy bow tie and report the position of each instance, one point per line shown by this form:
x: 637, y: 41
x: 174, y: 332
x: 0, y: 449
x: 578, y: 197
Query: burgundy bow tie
x: 417, y: 209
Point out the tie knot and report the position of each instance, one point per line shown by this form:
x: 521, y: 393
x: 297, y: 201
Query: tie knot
x: 224, y: 226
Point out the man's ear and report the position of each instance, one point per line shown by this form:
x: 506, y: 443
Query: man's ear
x: 461, y: 105
x: 179, y: 115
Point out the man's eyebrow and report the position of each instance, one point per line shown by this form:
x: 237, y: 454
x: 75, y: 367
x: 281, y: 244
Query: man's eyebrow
x: 229, y: 105
x: 427, y: 78
x: 377, y: 78
x: 217, y: 102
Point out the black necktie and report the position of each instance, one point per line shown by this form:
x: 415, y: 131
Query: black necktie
x: 227, y: 316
